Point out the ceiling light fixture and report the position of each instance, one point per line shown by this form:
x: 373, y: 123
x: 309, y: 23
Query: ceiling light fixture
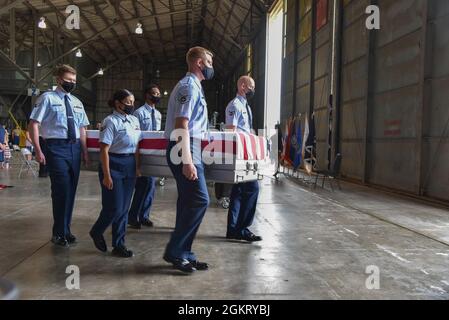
x: 139, y: 29
x: 42, y: 24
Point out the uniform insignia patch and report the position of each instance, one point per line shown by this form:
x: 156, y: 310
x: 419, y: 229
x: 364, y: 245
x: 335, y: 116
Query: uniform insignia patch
x: 184, y: 99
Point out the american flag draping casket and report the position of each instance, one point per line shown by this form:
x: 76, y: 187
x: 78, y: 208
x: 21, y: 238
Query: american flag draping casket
x: 229, y: 157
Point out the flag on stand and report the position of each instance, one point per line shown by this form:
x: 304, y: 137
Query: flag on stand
x: 284, y: 142
x: 296, y: 144
x: 306, y: 135
x: 310, y: 148
x: 287, y: 145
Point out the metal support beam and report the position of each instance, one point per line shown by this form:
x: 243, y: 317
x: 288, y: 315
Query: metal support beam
x: 313, y: 60
x: 147, y: 38
x: 131, y: 40
x: 93, y: 37
x: 110, y: 66
x: 424, y: 170
x: 337, y: 40
x: 242, y: 25
x: 59, y: 15
x: 12, y: 5
x: 107, y: 23
x: 295, y: 110
x: 217, y: 10
x: 202, y: 23
x: 242, y: 52
x: 19, y: 69
x: 369, y: 100
x: 94, y: 30
x: 192, y: 31
x: 35, y: 49
x: 153, y: 8
x: 12, y: 34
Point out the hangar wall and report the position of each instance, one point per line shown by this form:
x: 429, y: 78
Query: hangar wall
x: 390, y: 118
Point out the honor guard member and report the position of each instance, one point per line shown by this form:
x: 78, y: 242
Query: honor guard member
x: 187, y: 114
x: 62, y: 121
x: 150, y: 120
x: 119, y: 156
x: 244, y: 195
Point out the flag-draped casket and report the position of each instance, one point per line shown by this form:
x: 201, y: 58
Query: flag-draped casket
x: 229, y: 157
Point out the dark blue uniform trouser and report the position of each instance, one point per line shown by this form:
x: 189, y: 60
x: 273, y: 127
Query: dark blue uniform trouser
x: 142, y: 201
x: 242, y: 208
x: 116, y: 202
x: 64, y: 162
x: 193, y: 200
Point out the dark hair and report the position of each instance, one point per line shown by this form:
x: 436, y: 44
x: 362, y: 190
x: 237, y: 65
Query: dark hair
x: 151, y: 87
x: 119, y: 96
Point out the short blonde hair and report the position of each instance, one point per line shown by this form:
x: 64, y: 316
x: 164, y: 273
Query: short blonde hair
x: 197, y: 53
x: 63, y: 69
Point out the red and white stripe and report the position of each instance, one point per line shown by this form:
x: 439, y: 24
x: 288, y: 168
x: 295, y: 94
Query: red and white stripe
x: 153, y: 144
x: 93, y: 141
x: 241, y: 145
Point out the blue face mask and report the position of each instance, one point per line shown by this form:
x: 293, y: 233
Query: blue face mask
x: 208, y: 73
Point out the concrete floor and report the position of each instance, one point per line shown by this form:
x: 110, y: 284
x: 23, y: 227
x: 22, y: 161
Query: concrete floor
x: 317, y: 245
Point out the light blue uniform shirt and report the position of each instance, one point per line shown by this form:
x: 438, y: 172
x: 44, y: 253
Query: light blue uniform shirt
x: 50, y: 112
x: 237, y: 114
x: 121, y: 132
x: 187, y: 100
x: 145, y: 119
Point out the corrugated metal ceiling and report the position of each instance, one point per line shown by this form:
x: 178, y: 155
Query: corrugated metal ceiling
x: 170, y: 26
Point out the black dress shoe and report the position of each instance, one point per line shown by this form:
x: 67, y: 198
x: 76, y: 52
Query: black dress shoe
x: 200, y: 266
x: 71, y: 239
x: 251, y: 238
x: 99, y: 242
x: 183, y: 265
x: 148, y: 223
x: 122, y: 252
x: 248, y: 237
x: 59, y: 241
x: 136, y: 226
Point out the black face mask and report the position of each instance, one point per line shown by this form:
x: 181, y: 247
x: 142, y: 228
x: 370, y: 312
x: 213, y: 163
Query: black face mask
x: 129, y: 108
x: 155, y: 99
x: 208, y: 73
x: 250, y: 94
x: 68, y: 86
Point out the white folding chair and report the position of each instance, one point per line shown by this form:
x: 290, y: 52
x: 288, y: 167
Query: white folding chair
x: 28, y: 165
